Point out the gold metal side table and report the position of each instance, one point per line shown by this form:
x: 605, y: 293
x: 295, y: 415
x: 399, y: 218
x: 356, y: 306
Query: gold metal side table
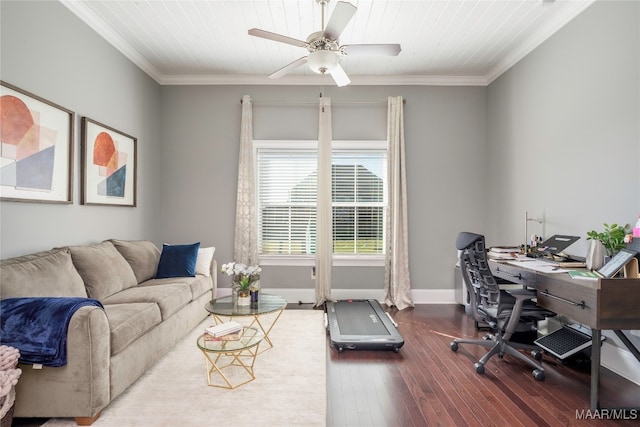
x: 230, y: 363
x: 224, y: 309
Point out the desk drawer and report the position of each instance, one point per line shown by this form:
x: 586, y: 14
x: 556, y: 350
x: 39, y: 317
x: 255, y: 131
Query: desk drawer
x: 575, y: 299
x: 513, y: 274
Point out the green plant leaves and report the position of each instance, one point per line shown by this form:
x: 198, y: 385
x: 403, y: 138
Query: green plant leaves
x: 612, y: 237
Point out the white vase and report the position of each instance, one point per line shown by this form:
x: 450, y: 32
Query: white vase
x: 595, y: 255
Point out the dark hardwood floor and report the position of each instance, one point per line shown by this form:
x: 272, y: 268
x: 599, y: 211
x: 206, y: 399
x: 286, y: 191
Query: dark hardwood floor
x: 427, y: 384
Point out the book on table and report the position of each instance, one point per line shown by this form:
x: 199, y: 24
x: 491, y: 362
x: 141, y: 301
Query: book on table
x: 229, y: 337
x: 569, y: 264
x: 505, y: 249
x: 504, y: 253
x: 583, y: 274
x: 226, y: 328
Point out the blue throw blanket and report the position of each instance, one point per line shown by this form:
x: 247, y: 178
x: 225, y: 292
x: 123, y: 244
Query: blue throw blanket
x: 38, y: 327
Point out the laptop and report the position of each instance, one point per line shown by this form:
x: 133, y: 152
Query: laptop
x: 555, y: 244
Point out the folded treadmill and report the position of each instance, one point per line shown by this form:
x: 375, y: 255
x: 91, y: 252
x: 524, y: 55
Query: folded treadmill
x: 361, y: 325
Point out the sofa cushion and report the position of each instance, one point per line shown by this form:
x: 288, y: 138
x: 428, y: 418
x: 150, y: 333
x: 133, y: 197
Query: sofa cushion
x: 103, y: 269
x: 178, y: 261
x: 128, y: 322
x: 203, y: 262
x: 170, y: 297
x: 142, y: 255
x: 198, y: 285
x: 43, y: 274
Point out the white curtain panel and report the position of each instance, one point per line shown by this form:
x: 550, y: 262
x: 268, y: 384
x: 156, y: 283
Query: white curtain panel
x: 245, y: 243
x: 397, y: 281
x: 324, y: 232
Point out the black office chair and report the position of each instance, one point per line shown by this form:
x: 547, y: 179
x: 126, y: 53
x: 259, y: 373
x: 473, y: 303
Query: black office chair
x: 504, y: 311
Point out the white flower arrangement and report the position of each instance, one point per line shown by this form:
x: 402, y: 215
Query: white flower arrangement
x: 243, y: 275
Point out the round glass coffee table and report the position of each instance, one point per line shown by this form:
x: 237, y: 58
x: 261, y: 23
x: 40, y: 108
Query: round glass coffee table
x: 263, y: 315
x: 230, y: 361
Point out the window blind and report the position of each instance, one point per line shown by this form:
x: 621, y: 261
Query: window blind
x: 287, y: 196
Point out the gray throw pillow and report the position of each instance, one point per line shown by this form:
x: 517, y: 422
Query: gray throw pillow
x: 103, y: 269
x: 42, y: 274
x: 142, y: 256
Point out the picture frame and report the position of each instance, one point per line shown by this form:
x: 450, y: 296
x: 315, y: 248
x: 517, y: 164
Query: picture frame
x: 109, y: 165
x: 36, y: 148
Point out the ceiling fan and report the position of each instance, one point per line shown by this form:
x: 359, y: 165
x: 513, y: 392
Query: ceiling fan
x: 324, y: 49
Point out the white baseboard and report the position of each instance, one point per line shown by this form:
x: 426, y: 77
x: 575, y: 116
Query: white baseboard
x: 620, y: 361
x: 297, y: 295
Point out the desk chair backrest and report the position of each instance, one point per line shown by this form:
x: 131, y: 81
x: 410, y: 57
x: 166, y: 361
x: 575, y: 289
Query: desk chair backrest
x: 484, y: 292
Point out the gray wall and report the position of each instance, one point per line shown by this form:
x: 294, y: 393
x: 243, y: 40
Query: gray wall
x: 445, y: 130
x: 564, y: 130
x: 48, y: 51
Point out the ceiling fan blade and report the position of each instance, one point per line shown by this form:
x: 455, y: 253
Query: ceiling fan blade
x: 288, y: 68
x: 339, y: 76
x: 342, y: 14
x: 371, y: 49
x: 276, y: 37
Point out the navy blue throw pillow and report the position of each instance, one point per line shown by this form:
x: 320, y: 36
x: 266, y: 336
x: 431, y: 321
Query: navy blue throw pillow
x: 178, y: 261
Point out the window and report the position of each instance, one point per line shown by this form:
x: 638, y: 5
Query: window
x: 287, y: 196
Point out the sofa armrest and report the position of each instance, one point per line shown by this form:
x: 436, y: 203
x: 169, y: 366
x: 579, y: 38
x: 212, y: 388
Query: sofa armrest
x: 81, y: 387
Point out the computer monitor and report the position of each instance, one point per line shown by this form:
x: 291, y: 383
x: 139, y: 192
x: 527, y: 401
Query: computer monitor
x: 634, y: 245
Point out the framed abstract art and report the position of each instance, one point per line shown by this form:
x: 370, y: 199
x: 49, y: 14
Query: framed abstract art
x: 36, y: 148
x: 109, y: 166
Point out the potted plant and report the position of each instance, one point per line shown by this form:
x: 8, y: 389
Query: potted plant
x: 244, y: 278
x: 612, y: 238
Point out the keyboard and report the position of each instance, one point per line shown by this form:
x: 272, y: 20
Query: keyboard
x: 564, y: 342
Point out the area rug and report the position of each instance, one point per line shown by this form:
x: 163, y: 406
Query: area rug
x: 289, y: 389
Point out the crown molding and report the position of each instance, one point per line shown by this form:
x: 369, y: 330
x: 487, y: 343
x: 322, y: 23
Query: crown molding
x: 313, y: 80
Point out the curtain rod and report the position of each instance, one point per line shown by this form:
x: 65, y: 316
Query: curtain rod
x: 291, y: 102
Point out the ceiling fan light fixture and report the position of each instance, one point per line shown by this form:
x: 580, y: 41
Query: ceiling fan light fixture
x: 323, y: 61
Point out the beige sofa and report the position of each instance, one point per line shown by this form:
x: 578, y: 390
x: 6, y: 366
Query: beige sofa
x: 107, y: 349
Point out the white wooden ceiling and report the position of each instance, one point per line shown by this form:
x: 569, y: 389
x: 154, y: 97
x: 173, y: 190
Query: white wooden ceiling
x: 466, y: 42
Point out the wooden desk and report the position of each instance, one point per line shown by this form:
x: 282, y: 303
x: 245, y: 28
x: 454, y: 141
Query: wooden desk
x: 599, y: 304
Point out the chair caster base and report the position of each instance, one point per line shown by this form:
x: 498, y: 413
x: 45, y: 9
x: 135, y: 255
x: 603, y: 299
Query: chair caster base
x: 537, y: 354
x: 453, y: 346
x: 479, y: 368
x: 538, y: 374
